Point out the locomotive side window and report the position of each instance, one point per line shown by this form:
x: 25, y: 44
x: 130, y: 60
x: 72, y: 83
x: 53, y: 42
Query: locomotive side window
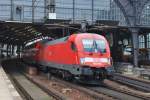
x: 73, y: 46
x: 91, y: 45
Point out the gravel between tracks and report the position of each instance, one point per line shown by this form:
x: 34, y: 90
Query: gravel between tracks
x: 71, y: 93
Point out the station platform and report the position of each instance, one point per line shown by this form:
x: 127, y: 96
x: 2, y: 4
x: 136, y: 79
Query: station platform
x: 7, y: 90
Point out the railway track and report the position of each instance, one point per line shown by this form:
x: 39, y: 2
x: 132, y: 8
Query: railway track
x: 133, y: 82
x: 101, y: 92
x: 127, y: 90
x: 27, y: 89
x: 21, y: 81
x: 29, y: 93
x: 50, y: 86
x: 71, y: 86
x: 104, y: 92
x: 113, y: 93
x: 52, y: 92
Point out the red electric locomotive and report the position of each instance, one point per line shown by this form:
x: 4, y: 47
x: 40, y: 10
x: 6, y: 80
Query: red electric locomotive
x: 84, y: 56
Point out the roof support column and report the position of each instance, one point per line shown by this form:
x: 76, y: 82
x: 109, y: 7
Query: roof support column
x: 12, y: 7
x: 12, y: 50
x: 18, y: 49
x: 116, y: 57
x: 33, y: 10
x: 135, y: 43
x: 145, y: 38
x: 2, y: 46
x: 7, y: 49
x: 92, y: 11
x: 73, y: 11
x: 0, y: 49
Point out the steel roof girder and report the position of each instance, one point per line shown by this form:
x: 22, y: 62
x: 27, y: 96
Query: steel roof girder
x: 132, y: 10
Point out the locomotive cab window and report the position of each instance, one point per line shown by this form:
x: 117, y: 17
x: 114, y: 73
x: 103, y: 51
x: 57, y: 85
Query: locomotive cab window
x: 92, y: 45
x: 73, y: 46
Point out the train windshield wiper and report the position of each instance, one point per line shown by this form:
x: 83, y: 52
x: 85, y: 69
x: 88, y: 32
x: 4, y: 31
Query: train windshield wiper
x: 92, y: 47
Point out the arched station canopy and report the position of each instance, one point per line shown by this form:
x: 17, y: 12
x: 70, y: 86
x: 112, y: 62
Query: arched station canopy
x: 132, y: 10
x: 21, y: 33
x: 18, y: 33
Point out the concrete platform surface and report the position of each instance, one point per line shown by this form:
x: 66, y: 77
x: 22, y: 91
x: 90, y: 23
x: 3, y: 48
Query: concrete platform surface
x: 7, y: 90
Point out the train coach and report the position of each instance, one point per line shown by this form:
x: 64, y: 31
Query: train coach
x: 84, y: 56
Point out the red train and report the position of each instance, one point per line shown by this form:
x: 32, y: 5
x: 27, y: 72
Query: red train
x: 83, y: 56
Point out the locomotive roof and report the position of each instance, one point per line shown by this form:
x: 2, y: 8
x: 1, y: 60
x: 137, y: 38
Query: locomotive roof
x: 65, y: 38
x: 60, y: 40
x: 32, y: 45
x: 45, y: 41
x: 56, y: 41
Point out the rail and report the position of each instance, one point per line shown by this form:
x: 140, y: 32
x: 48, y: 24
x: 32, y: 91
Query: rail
x: 134, y: 82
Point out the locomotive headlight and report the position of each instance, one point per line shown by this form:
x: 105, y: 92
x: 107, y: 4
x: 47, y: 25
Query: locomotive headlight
x: 105, y: 60
x: 86, y: 59
x: 108, y: 60
x: 111, y: 61
x: 82, y: 60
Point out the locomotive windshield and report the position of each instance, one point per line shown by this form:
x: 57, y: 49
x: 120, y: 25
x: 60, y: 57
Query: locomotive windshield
x: 91, y: 45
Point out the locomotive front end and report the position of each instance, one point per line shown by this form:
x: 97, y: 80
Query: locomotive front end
x: 94, y: 58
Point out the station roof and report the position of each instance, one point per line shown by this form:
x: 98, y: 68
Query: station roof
x: 19, y: 33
